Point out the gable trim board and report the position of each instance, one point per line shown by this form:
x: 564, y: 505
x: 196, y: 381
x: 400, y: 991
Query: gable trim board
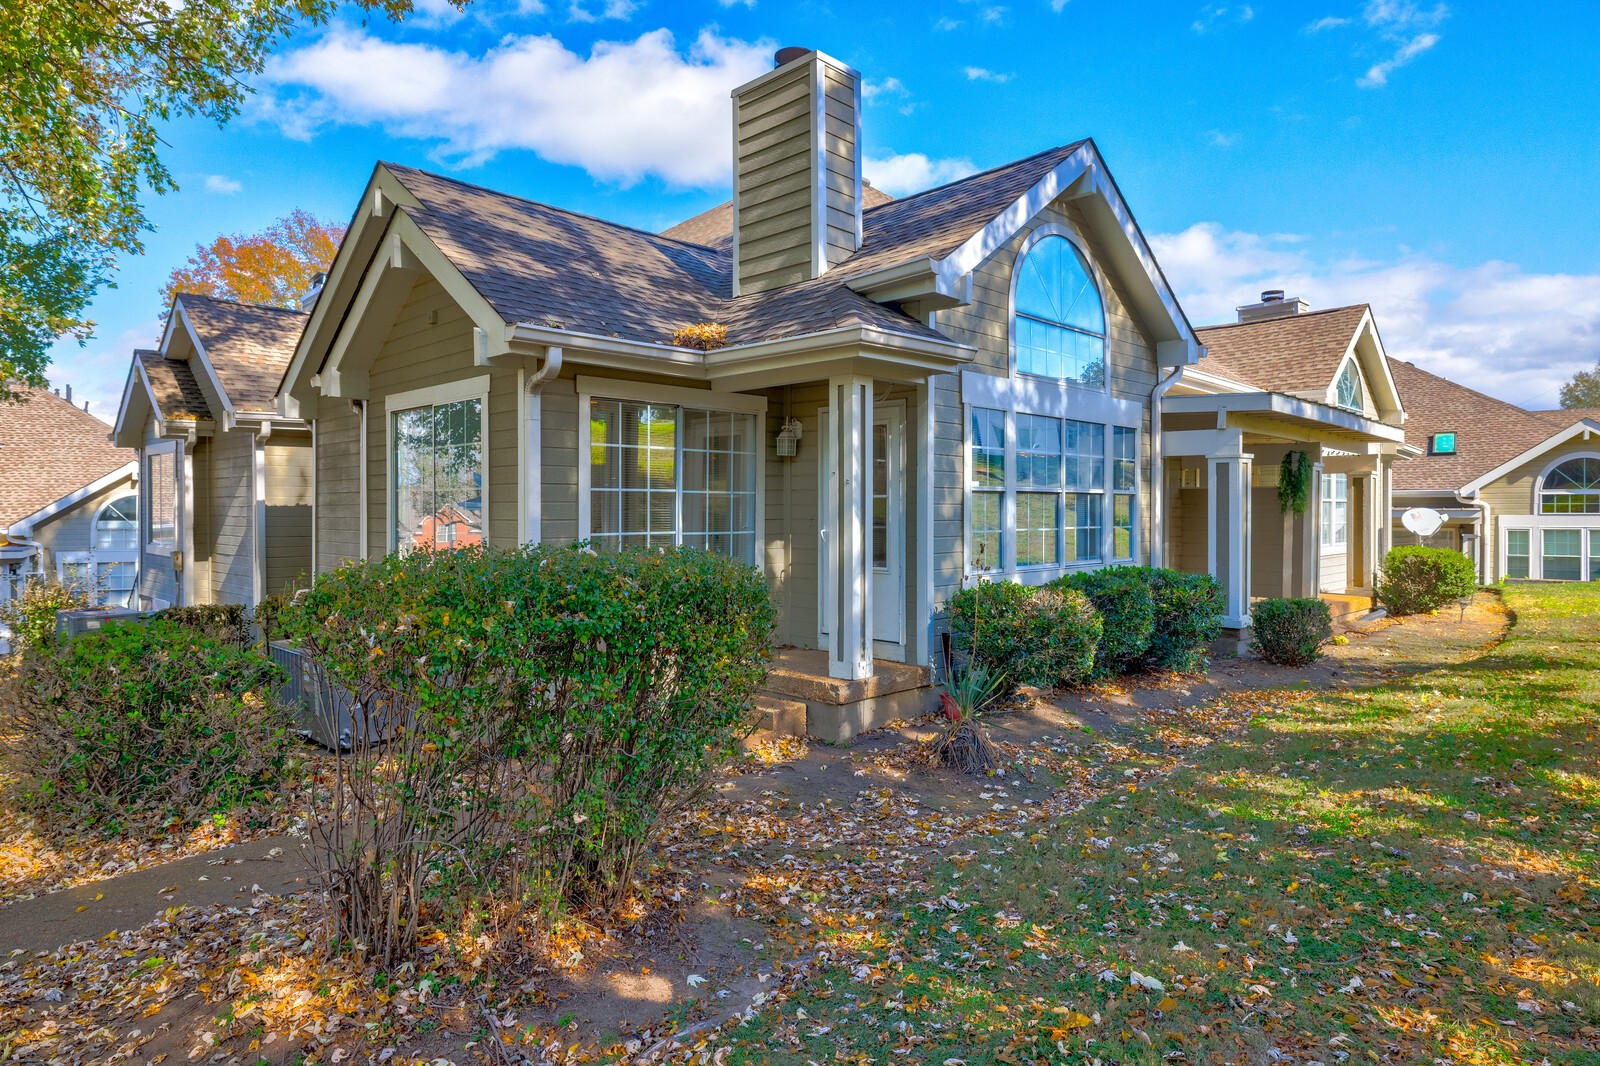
x: 179, y: 314
x: 24, y: 527
x: 1584, y: 426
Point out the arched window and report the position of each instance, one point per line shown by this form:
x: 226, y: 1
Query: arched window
x: 116, y: 527
x: 1348, y: 390
x: 1060, y: 322
x: 1572, y: 487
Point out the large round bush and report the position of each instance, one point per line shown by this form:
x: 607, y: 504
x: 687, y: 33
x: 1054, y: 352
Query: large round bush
x: 1417, y: 579
x: 1290, y: 632
x: 1033, y: 636
x: 1127, y: 612
x: 1188, y: 617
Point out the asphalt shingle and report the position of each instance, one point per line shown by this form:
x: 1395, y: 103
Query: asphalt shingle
x: 1294, y: 353
x: 48, y: 449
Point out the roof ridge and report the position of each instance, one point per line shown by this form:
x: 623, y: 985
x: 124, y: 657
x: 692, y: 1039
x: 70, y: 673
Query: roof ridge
x: 548, y: 207
x: 1071, y: 145
x: 1506, y: 404
x: 1286, y: 318
x: 241, y: 304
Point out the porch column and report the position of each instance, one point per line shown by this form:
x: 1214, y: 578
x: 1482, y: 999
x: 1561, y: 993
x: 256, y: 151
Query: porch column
x: 1228, y: 529
x: 1373, y: 517
x: 1386, y: 508
x: 850, y: 627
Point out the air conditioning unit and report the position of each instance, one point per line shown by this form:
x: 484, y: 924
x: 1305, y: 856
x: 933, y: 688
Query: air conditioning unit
x: 71, y: 624
x: 327, y: 713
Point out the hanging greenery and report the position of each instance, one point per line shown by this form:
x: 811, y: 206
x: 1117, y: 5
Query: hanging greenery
x: 1294, y: 482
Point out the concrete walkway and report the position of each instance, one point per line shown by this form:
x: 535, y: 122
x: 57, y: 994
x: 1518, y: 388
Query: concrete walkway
x: 277, y: 865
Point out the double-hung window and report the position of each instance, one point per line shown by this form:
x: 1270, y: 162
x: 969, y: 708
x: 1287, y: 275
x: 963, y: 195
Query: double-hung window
x: 988, y: 458
x: 1124, y: 489
x: 1085, y: 490
x: 1335, y: 510
x: 161, y: 496
x: 662, y: 475
x: 437, y: 476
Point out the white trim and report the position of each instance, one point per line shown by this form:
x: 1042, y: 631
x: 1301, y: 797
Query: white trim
x: 922, y: 648
x: 146, y: 513
x: 1536, y: 526
x: 1321, y: 415
x: 1583, y: 425
x: 315, y: 502
x: 258, y: 479
x: 819, y: 167
x: 676, y: 395
x: 473, y: 388
x: 1035, y: 236
x: 1537, y: 502
x: 185, y: 578
x: 24, y: 527
x: 229, y: 415
x: 364, y: 475
x: 1029, y: 395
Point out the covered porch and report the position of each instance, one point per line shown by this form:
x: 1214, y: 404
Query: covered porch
x: 1223, y: 459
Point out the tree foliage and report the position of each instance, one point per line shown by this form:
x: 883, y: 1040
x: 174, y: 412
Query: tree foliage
x: 271, y: 267
x: 1583, y: 390
x: 85, y: 89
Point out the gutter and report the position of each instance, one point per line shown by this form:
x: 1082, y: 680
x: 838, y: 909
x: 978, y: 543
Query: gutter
x: 1158, y: 477
x: 1488, y: 546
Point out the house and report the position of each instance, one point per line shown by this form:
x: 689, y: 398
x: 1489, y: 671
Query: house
x: 68, y: 501
x: 910, y: 391
x: 1519, y: 490
x: 227, y: 481
x: 1282, y: 381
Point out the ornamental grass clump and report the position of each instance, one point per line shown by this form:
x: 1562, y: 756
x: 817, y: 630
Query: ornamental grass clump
x: 144, y: 724
x: 547, y: 711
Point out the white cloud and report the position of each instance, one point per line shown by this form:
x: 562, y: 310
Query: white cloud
x: 871, y: 90
x: 621, y: 10
x: 898, y: 175
x: 222, y: 185
x: 1494, y: 326
x: 1377, y: 75
x: 994, y: 15
x: 1214, y: 15
x: 736, y: 3
x: 1327, y: 22
x: 99, y: 369
x: 945, y: 25
x: 1058, y: 6
x: 627, y: 110
x: 983, y: 74
x: 1218, y: 139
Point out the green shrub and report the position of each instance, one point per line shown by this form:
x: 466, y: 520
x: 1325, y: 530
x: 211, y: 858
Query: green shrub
x: 225, y: 623
x: 1188, y: 617
x: 557, y: 707
x: 30, y: 616
x: 135, y: 720
x: 1127, y: 609
x: 1032, y: 636
x: 1417, y: 579
x: 1290, y: 632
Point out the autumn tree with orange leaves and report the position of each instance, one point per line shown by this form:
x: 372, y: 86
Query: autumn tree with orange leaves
x: 273, y: 267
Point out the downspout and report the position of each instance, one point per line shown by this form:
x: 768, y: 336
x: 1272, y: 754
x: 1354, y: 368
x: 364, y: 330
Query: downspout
x: 533, y: 476
x: 1488, y: 543
x: 1158, y: 474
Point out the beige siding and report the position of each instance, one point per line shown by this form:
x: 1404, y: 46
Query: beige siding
x: 230, y: 529
x: 558, y: 450
x: 72, y: 530
x: 773, y: 182
x: 338, y: 503
x: 1515, y: 494
x: 287, y: 460
x: 839, y: 160
x: 986, y: 325
x: 420, y: 353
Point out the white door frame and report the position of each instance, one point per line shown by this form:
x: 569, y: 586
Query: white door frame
x: 893, y: 415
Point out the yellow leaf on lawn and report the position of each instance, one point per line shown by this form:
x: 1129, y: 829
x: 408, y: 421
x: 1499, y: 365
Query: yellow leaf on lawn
x: 1071, y: 1019
x: 1167, y: 1003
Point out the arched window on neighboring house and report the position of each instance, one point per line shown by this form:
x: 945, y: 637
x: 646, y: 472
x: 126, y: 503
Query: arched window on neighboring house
x: 110, y: 566
x: 116, y: 527
x: 1571, y: 487
x: 1347, y: 391
x: 1060, y: 321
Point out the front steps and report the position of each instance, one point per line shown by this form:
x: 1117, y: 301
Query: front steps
x: 800, y: 699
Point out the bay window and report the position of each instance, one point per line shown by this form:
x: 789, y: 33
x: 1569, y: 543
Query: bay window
x: 661, y: 475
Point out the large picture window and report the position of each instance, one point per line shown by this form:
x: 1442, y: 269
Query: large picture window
x: 1060, y: 323
x: 661, y: 475
x: 438, y: 472
x: 161, y: 498
x: 1056, y: 488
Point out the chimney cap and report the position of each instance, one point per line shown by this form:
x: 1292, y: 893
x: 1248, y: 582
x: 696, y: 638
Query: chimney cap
x: 1272, y: 296
x: 784, y: 56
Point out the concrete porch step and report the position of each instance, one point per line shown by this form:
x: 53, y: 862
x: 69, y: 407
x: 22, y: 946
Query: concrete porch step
x: 779, y: 716
x: 1344, y: 605
x: 838, y: 710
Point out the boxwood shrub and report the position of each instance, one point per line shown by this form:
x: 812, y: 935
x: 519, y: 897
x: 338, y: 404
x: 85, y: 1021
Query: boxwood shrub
x: 1417, y: 579
x: 1122, y: 595
x: 134, y: 720
x: 1188, y: 617
x: 1033, y: 636
x: 1290, y: 632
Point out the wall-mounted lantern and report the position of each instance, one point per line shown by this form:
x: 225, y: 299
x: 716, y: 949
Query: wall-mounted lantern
x: 789, y: 439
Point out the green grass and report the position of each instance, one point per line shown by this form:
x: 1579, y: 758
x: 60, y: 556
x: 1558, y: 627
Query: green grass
x: 1401, y: 874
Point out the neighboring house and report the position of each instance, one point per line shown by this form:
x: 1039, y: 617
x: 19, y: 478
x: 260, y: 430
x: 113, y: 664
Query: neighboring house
x: 68, y: 502
x: 1520, y: 489
x: 1282, y: 379
x: 912, y: 390
x: 227, y: 481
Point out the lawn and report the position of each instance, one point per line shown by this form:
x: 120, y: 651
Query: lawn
x: 1404, y: 873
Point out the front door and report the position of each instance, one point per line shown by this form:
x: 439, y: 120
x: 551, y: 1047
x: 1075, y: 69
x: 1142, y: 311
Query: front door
x: 888, y: 539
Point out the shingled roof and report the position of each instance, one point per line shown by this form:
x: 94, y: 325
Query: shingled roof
x: 1292, y: 353
x: 1488, y: 431
x: 176, y: 393
x: 541, y: 264
x: 50, y: 448
x: 248, y: 345
x: 713, y: 228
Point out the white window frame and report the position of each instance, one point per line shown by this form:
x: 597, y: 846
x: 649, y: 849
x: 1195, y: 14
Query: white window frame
x: 473, y: 388
x: 680, y: 397
x: 1037, y: 234
x: 1352, y: 365
x: 1539, y: 489
x: 1336, y: 515
x: 1132, y: 494
x: 167, y: 545
x: 1536, y: 525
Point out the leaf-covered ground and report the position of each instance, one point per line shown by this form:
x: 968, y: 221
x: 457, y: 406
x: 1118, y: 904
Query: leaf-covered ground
x: 1404, y: 874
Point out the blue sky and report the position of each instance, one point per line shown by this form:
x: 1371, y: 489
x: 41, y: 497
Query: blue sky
x: 1438, y: 161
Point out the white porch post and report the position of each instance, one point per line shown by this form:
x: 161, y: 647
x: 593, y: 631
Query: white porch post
x: 1385, y: 508
x: 1374, y: 518
x: 1228, y: 528
x: 850, y: 628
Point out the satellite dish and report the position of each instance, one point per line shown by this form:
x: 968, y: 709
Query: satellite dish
x: 1423, y: 521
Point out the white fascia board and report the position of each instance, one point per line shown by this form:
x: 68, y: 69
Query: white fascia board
x: 24, y: 528
x: 1277, y: 403
x: 136, y: 378
x: 915, y: 279
x: 1369, y: 325
x: 1585, y: 425
x: 1206, y: 382
x: 1083, y: 165
x: 200, y: 356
